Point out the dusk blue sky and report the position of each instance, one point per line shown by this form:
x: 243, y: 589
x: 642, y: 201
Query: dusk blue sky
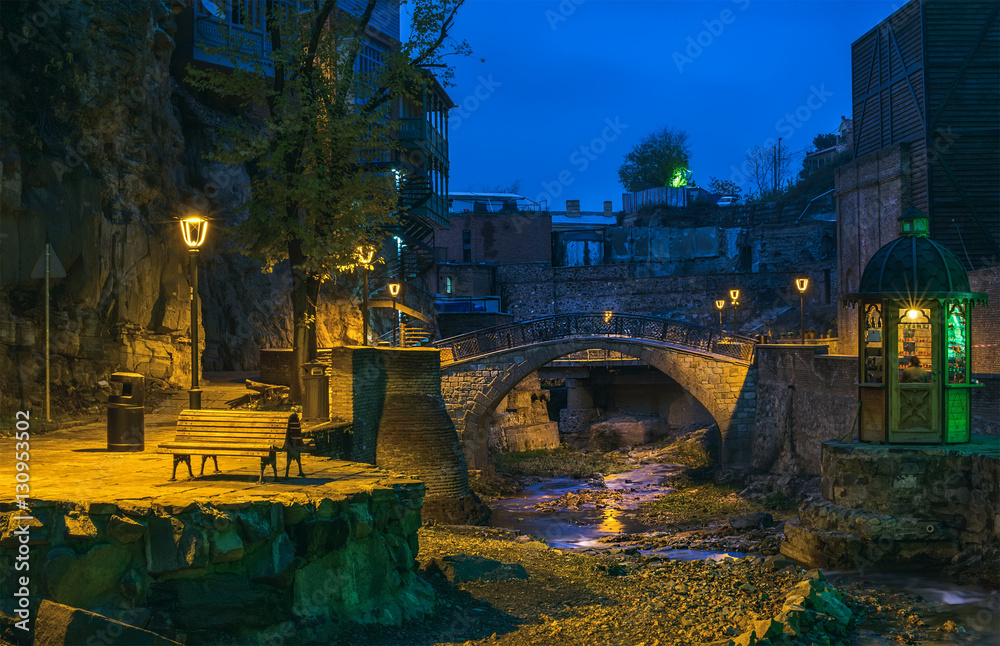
x: 556, y: 74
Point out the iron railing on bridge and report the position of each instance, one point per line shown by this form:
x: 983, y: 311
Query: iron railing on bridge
x: 598, y: 324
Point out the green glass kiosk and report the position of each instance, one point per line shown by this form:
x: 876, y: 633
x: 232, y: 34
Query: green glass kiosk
x: 913, y: 344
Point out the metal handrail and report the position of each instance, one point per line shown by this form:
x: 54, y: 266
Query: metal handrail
x: 589, y: 324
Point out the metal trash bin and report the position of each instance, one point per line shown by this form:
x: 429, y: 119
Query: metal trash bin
x: 126, y: 415
x: 315, y: 392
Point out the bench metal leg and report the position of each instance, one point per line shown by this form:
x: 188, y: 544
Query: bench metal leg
x: 274, y: 465
x: 204, y: 459
x: 297, y: 456
x: 263, y: 465
x: 185, y: 459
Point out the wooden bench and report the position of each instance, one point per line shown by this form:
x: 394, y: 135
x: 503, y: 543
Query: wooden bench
x: 238, y: 433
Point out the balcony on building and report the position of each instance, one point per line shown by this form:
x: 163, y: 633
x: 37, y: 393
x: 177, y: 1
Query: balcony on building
x: 201, y: 27
x: 424, y: 159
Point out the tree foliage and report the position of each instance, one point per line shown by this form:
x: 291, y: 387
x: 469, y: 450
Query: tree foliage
x: 822, y: 142
x: 724, y: 187
x: 318, y: 134
x: 768, y: 170
x: 659, y: 159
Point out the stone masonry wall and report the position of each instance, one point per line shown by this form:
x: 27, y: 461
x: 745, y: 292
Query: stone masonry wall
x: 415, y: 434
x: 871, y: 193
x: 239, y: 570
x: 536, y: 289
x: 804, y: 398
x: 387, y: 410
x: 358, y: 380
x: 959, y: 487
x: 986, y: 321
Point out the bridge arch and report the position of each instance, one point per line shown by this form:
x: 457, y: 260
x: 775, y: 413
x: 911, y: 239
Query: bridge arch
x: 724, y: 386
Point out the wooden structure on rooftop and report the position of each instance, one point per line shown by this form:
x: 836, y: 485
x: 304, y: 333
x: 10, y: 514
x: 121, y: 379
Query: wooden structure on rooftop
x: 929, y: 75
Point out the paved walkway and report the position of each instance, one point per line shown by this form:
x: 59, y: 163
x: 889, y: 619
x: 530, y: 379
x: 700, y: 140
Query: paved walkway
x: 74, y: 464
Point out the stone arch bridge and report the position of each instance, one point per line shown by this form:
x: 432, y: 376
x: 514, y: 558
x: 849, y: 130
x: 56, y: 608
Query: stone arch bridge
x: 479, y: 369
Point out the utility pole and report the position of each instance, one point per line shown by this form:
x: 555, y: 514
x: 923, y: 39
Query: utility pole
x: 777, y: 167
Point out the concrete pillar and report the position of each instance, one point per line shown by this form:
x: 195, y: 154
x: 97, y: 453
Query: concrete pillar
x: 579, y: 394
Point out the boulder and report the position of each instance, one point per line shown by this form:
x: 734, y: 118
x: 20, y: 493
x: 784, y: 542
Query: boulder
x: 80, y: 527
x: 57, y: 624
x: 225, y: 546
x: 173, y: 546
x: 462, y: 568
x: 216, y: 603
x: 88, y: 580
x: 125, y: 530
x: 320, y: 536
x: 272, y: 562
x: 752, y: 520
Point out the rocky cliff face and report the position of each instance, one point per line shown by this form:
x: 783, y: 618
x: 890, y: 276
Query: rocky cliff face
x: 102, y: 150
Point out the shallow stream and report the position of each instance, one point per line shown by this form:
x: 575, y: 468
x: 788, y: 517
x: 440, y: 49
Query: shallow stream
x: 976, y: 609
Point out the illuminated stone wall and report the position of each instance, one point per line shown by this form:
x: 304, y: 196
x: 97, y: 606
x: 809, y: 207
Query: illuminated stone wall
x: 234, y: 570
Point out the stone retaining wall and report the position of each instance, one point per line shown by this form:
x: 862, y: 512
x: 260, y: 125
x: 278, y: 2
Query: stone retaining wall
x: 198, y: 571
x: 886, y: 504
x: 804, y: 398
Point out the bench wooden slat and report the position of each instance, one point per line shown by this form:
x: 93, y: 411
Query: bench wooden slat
x: 220, y: 452
x: 232, y: 423
x: 250, y: 435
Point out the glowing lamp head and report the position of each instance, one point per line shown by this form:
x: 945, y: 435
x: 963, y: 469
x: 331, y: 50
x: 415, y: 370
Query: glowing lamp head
x: 913, y: 314
x: 734, y: 294
x: 365, y: 255
x: 720, y: 303
x: 394, y: 289
x: 607, y: 316
x: 802, y: 284
x: 194, y: 229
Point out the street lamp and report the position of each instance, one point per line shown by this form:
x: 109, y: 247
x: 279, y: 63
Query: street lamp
x: 194, y: 229
x: 394, y: 292
x: 721, y: 303
x: 364, y: 256
x: 734, y: 294
x: 802, y: 284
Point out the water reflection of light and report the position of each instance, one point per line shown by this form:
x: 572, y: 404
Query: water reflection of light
x: 610, y: 522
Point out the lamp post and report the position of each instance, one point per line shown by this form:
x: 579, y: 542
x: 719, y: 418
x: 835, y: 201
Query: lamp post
x: 364, y: 256
x: 734, y: 294
x: 194, y: 229
x: 394, y: 292
x: 802, y: 284
x: 721, y: 303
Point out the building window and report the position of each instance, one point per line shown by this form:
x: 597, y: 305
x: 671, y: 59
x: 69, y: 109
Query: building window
x: 370, y: 58
x: 448, y: 286
x: 467, y: 246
